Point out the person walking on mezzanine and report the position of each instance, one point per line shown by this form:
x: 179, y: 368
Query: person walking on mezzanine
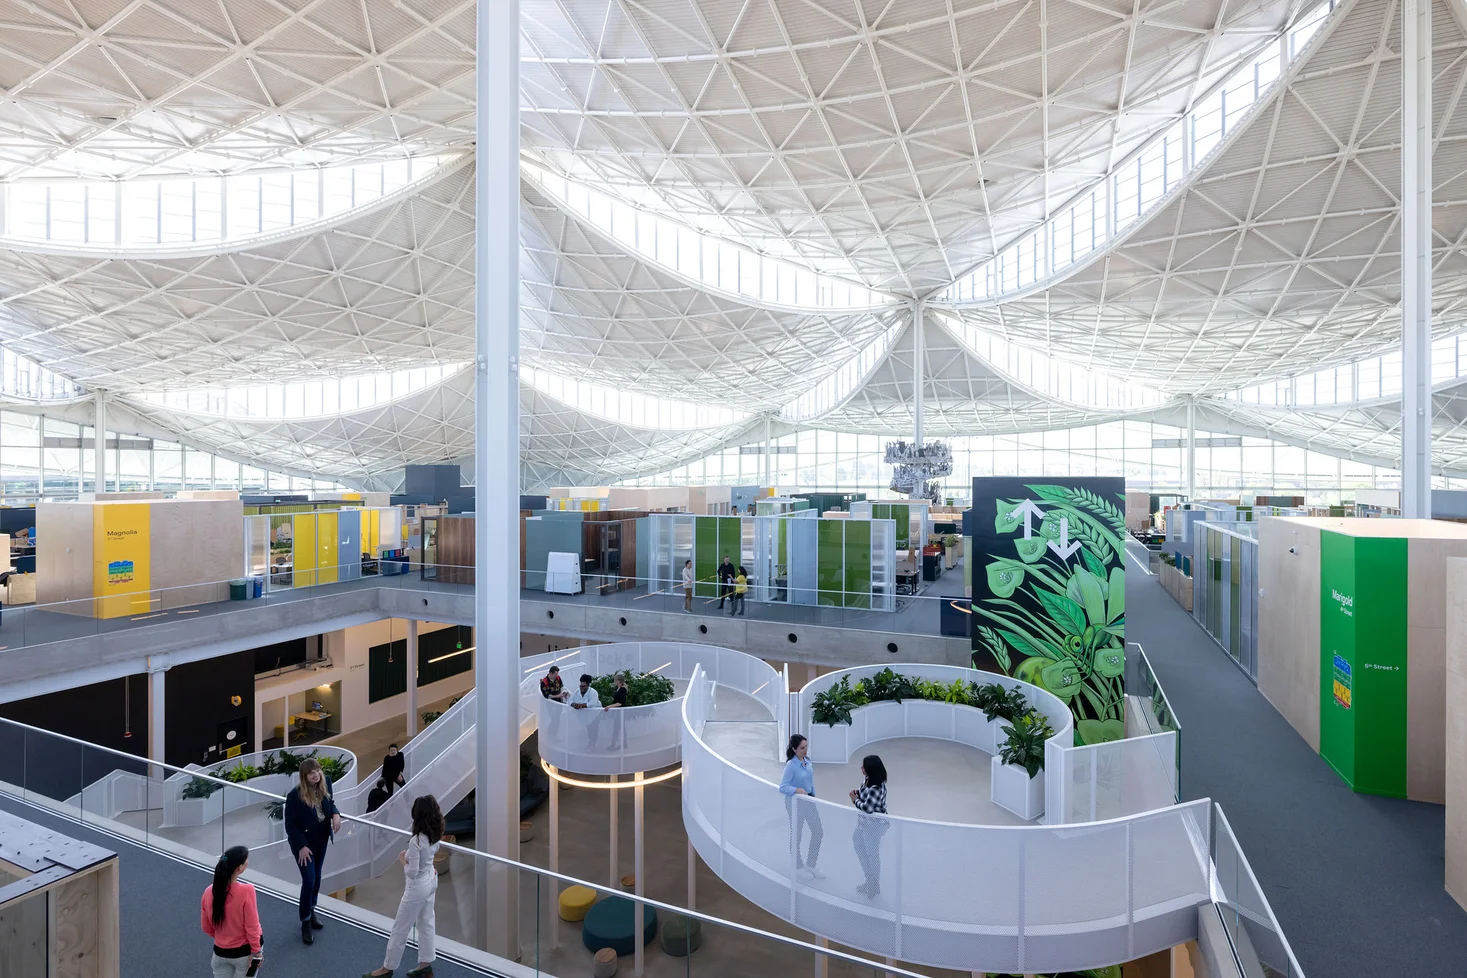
x: 420, y: 889
x: 230, y: 915
x: 798, y: 788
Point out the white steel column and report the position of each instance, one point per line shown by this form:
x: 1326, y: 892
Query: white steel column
x: 768, y: 448
x: 496, y: 471
x: 552, y: 886
x: 99, y: 443
x: 1416, y: 129
x: 919, y: 368
x: 639, y: 816
x: 157, y: 712
x: 412, y: 678
x: 692, y: 876
x: 615, y: 835
x: 1190, y: 480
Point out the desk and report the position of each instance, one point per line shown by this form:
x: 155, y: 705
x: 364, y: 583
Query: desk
x: 312, y: 716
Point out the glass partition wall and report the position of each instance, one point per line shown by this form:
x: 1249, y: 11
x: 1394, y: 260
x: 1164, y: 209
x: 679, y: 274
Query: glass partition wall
x: 1225, y: 588
x: 797, y: 558
x: 321, y: 547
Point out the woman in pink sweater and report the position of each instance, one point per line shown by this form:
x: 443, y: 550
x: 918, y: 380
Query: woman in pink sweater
x: 231, y: 917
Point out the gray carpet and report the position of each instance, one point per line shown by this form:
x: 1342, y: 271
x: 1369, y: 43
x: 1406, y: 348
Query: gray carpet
x: 1355, y: 880
x: 161, y: 937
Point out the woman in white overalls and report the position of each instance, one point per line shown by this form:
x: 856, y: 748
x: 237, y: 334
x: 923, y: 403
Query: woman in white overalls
x: 418, y: 893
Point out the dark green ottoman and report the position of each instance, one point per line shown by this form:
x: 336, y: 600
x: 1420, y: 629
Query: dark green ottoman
x: 681, y: 936
x: 610, y: 924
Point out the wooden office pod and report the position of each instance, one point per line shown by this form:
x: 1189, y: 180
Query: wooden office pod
x: 58, y: 905
x: 1288, y: 621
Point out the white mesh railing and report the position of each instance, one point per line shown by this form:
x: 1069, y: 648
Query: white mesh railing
x: 417, y: 753
x: 638, y: 738
x: 1094, y: 782
x: 966, y: 897
x: 920, y: 718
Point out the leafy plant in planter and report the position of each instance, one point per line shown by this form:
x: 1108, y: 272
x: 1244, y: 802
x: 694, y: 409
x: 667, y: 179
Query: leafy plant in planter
x: 888, y: 685
x: 240, y: 773
x: 430, y: 715
x: 642, y: 690
x: 1004, y: 703
x: 1024, y: 743
x: 274, y: 811
x: 198, y: 787
x: 334, y: 768
x: 834, y: 705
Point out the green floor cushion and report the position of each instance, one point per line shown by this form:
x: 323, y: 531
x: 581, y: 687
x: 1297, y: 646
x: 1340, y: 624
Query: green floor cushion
x: 681, y: 936
x: 610, y: 924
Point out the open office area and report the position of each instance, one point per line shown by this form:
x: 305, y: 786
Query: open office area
x: 802, y: 487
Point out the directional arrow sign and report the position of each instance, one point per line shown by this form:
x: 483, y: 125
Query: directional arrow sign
x: 1027, y: 509
x: 1064, y: 546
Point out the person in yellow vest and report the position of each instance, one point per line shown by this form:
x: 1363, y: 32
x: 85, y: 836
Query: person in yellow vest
x: 740, y: 590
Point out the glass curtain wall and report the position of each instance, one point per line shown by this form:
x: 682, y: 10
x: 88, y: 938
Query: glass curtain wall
x: 1137, y: 450
x: 45, y: 457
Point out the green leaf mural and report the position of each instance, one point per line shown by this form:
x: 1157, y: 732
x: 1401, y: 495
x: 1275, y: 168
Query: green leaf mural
x: 1048, y: 613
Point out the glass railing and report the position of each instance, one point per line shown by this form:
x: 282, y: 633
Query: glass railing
x: 912, y: 613
x: 1149, y: 712
x: 1259, y: 945
x: 122, y: 795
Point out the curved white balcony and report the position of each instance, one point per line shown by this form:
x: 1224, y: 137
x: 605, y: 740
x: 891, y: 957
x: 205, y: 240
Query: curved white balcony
x: 954, y: 893
x: 639, y: 738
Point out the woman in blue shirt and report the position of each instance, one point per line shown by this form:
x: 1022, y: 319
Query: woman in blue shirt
x: 799, y: 780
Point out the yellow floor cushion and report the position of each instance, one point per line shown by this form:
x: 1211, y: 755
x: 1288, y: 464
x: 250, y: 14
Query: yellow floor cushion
x: 575, y: 901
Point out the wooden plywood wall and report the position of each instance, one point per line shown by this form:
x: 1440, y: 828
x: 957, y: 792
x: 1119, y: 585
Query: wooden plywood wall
x: 456, y: 550
x: 197, y: 547
x: 64, y: 555
x: 1288, y: 622
x: 1427, y: 609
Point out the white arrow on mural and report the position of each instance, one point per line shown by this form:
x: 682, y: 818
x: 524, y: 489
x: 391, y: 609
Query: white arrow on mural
x: 1027, y: 509
x: 1064, y: 546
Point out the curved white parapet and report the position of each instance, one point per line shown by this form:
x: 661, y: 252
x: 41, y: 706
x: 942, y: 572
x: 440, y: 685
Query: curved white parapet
x: 960, y: 724
x: 638, y: 738
x: 181, y: 811
x: 967, y: 897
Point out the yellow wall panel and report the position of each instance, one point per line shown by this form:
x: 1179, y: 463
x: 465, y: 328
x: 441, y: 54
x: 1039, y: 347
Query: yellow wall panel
x: 327, y: 542
x: 303, y: 532
x: 121, y: 548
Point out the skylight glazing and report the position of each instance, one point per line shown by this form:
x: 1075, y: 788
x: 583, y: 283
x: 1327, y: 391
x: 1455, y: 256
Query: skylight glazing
x: 699, y: 255
x: 307, y: 399
x: 833, y: 391
x: 1051, y: 377
x: 24, y: 379
x: 159, y: 213
x: 1140, y: 182
x: 629, y: 408
x: 1364, y: 380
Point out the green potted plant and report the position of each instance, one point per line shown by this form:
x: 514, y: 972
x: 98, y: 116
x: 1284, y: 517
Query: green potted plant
x: 1017, y: 781
x: 834, y: 704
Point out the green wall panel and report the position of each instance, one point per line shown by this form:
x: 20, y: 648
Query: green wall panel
x: 830, y: 561
x: 858, y: 562
x: 1362, y: 637
x: 705, y: 556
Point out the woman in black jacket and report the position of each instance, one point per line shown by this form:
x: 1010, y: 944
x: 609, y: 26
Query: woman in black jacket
x: 311, y: 819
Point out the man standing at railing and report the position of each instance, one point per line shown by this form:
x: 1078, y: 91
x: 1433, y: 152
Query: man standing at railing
x: 586, y: 698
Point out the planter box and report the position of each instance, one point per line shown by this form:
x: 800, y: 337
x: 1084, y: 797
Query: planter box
x: 1011, y: 787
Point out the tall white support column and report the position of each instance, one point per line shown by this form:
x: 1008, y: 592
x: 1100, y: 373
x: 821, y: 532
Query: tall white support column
x: 412, y: 678
x: 615, y: 835
x: 496, y: 470
x: 157, y: 714
x: 99, y: 443
x: 1190, y: 480
x: 692, y: 876
x: 822, y: 961
x: 1416, y: 127
x: 552, y: 886
x: 768, y: 451
x: 919, y: 367
x: 638, y: 816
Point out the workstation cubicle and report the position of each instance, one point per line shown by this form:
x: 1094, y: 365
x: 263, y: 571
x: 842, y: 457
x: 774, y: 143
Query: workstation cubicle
x: 301, y: 549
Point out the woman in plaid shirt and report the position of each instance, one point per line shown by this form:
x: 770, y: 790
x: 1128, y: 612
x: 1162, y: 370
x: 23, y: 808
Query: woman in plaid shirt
x: 870, y: 798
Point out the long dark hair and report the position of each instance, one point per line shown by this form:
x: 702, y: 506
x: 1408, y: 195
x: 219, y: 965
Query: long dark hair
x: 234, y: 857
x: 427, y: 818
x: 875, y: 770
x: 795, y: 741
